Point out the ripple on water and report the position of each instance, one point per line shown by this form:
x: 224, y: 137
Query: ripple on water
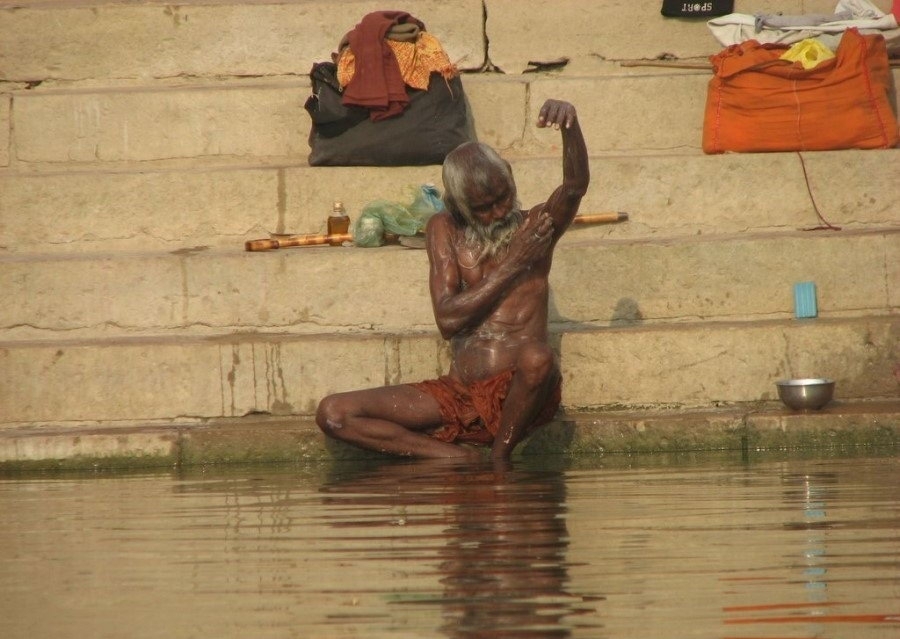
x: 608, y: 548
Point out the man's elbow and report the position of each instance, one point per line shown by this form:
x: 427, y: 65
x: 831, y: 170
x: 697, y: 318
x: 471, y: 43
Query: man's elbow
x: 576, y: 182
x: 447, y: 327
x: 576, y: 189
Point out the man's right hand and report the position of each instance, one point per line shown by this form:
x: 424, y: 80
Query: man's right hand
x: 532, y: 241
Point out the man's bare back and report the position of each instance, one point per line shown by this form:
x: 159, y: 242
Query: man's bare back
x: 489, y: 268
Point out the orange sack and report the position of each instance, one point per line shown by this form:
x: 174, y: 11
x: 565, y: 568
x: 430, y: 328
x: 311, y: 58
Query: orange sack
x: 758, y: 102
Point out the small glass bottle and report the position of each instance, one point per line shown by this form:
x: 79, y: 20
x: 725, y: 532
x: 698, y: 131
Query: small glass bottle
x: 338, y: 222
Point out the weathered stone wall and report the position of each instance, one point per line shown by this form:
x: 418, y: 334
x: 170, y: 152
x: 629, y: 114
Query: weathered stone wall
x: 141, y: 143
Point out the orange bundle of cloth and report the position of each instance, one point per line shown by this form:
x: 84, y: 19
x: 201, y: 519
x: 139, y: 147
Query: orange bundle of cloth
x: 757, y: 101
x: 391, y: 50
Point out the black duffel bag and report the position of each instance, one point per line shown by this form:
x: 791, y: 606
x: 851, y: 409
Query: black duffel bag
x: 434, y: 123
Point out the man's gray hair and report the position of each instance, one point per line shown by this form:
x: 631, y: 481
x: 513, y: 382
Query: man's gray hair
x: 472, y: 164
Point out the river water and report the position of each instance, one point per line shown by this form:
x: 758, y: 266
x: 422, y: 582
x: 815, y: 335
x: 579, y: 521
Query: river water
x: 616, y: 547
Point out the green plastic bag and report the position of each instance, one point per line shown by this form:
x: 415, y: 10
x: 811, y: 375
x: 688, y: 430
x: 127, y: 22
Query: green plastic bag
x: 383, y: 216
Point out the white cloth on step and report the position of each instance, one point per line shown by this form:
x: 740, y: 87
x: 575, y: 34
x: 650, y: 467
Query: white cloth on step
x: 735, y: 28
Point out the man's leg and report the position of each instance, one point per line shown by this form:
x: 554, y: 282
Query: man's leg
x: 531, y: 387
x: 387, y: 420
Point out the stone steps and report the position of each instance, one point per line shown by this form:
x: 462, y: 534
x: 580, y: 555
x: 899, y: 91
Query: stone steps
x: 132, y: 173
x: 152, y: 336
x: 241, y: 38
x: 699, y: 364
x: 167, y: 209
x: 838, y: 428
x: 315, y: 290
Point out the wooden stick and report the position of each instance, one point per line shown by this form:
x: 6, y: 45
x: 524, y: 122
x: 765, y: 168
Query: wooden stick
x: 600, y: 218
x: 268, y: 244
x: 703, y: 66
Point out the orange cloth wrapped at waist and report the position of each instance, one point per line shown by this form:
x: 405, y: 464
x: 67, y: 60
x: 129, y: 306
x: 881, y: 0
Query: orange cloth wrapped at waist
x: 472, y: 412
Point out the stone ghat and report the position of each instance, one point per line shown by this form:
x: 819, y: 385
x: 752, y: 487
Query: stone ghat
x: 132, y: 173
x: 840, y: 428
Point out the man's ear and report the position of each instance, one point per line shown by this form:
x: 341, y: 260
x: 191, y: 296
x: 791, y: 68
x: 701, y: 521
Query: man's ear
x: 450, y: 205
x: 512, y: 179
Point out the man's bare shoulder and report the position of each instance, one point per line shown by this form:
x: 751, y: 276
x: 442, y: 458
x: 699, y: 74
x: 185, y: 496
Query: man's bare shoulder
x: 441, y: 219
x: 440, y: 227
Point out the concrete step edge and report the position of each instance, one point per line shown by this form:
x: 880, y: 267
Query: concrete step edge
x: 265, y: 439
x: 217, y: 164
x: 556, y: 329
x: 579, y: 236
x: 168, y: 210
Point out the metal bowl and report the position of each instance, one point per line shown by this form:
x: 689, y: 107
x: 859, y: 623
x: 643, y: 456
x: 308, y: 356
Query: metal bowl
x: 805, y: 394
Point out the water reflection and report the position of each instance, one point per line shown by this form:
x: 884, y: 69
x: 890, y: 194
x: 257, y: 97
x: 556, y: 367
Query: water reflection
x: 597, y: 549
x: 502, y: 560
x: 834, y: 558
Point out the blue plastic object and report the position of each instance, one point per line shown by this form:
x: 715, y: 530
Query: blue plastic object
x: 805, y: 300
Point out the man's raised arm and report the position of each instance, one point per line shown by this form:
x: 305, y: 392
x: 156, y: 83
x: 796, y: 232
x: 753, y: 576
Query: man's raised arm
x: 563, y: 203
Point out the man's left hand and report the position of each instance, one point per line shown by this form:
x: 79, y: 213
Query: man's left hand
x: 556, y: 113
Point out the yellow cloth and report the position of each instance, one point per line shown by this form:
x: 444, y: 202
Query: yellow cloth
x: 417, y: 60
x: 809, y: 53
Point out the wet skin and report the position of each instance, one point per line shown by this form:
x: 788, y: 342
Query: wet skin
x: 491, y: 345
x: 493, y: 311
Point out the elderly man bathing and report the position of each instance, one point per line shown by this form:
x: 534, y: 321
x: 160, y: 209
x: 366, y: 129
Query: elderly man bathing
x: 489, y: 268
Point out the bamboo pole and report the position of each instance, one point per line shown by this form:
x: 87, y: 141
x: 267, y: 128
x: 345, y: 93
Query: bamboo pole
x: 269, y: 244
x: 600, y: 218
x: 669, y: 65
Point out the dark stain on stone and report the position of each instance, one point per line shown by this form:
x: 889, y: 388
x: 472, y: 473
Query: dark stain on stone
x: 190, y: 250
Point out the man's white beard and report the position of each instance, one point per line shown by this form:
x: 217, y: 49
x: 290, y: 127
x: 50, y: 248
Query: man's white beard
x: 492, y: 239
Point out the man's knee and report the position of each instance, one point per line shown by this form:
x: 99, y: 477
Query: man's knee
x: 536, y: 363
x: 331, y: 415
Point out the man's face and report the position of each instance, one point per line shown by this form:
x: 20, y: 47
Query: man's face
x: 491, y: 208
x: 494, y: 217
